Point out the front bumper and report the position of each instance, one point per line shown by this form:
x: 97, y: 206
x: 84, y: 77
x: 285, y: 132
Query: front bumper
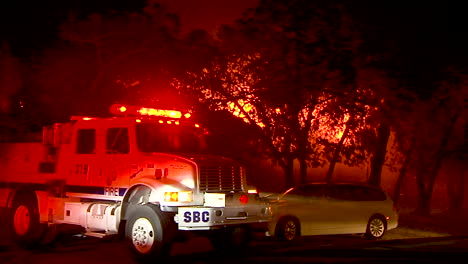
x: 207, y: 218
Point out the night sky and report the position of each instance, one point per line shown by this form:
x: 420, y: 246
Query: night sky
x: 32, y: 25
x: 425, y: 34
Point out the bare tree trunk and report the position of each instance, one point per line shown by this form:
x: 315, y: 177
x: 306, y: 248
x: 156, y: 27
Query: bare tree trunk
x: 303, y: 170
x: 401, y: 175
x: 456, y: 187
x: 426, y: 187
x: 288, y: 170
x: 336, y: 154
x: 378, y: 159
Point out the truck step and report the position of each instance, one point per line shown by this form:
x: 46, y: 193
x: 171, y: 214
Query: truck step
x: 97, y: 234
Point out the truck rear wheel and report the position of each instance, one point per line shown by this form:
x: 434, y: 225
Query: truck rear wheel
x: 148, y: 231
x: 27, y: 230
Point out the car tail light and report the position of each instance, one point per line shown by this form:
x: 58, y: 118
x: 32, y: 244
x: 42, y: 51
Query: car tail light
x: 244, y: 199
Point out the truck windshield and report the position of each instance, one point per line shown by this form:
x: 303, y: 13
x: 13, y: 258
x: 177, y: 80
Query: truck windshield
x: 155, y: 137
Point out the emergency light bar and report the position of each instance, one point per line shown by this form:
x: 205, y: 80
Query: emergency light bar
x: 118, y: 109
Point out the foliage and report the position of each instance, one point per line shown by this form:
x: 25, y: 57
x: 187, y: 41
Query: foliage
x: 10, y: 77
x: 289, y: 69
x: 131, y: 54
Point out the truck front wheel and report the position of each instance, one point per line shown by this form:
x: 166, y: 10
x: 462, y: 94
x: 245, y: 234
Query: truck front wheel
x: 148, y: 231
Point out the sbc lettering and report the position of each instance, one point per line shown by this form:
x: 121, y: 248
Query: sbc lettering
x: 196, y: 217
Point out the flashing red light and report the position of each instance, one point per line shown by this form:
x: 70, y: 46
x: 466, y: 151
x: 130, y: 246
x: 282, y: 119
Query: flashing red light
x: 119, y: 109
x: 244, y: 199
x: 159, y: 112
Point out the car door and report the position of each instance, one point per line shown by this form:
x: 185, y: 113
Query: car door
x: 306, y: 202
x: 343, y: 212
x: 371, y: 201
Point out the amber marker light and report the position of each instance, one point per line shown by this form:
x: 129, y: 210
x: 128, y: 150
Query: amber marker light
x: 178, y: 196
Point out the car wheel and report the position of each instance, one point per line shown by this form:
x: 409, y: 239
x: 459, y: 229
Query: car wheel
x: 288, y: 229
x: 376, y: 227
x: 148, y: 232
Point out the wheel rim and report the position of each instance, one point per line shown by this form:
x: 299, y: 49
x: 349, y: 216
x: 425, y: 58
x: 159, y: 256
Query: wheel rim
x: 290, y: 230
x: 22, y: 220
x: 142, y: 235
x: 376, y: 227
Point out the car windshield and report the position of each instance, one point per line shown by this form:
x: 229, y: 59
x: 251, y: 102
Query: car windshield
x: 156, y: 137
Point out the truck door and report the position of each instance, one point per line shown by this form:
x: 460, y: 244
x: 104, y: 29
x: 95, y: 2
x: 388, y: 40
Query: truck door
x: 115, y: 168
x: 84, y: 158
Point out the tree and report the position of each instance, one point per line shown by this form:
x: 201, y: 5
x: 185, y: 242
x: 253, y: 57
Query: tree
x: 435, y: 121
x: 10, y: 77
x: 453, y: 97
x: 280, y: 60
x: 10, y: 84
x: 131, y: 55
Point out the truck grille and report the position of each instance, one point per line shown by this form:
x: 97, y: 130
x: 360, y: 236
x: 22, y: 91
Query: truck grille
x: 221, y: 179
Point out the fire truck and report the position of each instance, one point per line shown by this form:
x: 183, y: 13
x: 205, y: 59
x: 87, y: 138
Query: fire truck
x: 139, y: 174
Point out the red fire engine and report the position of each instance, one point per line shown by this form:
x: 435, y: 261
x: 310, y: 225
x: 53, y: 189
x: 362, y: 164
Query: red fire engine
x: 140, y: 174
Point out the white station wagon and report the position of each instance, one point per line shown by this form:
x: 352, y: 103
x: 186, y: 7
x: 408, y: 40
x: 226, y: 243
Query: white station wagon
x: 329, y: 209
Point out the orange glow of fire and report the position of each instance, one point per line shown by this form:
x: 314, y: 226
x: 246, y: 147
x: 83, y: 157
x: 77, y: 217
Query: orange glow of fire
x: 241, y: 97
x: 246, y: 107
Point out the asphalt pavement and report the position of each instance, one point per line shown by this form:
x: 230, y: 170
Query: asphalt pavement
x: 436, y: 239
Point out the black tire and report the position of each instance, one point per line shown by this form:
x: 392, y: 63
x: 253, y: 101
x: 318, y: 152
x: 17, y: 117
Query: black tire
x: 231, y: 238
x: 149, y: 232
x: 27, y: 231
x: 288, y: 229
x: 376, y: 227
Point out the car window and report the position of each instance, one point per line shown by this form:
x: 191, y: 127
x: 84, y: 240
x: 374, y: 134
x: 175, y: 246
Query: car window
x: 312, y: 190
x: 355, y: 193
x: 363, y: 193
x: 340, y: 192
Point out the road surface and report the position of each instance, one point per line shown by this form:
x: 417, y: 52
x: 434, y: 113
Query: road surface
x: 401, y: 245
